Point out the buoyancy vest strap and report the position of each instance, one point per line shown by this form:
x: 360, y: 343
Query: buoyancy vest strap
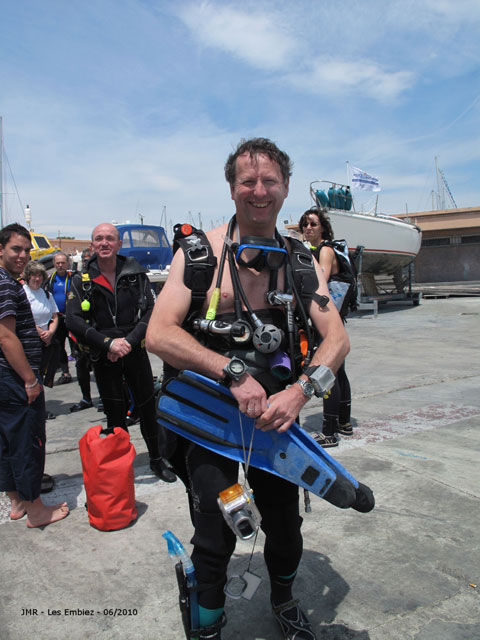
x: 200, y: 263
x: 303, y: 270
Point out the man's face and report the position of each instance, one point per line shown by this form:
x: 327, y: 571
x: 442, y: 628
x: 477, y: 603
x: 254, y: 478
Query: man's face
x: 60, y: 263
x: 259, y: 190
x: 105, y: 241
x: 15, y: 255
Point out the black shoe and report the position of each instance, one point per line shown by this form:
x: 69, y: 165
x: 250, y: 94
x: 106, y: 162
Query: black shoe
x: 345, y: 429
x: 65, y: 378
x: 323, y: 440
x: 50, y: 416
x: 47, y: 483
x: 293, y: 622
x: 80, y: 406
x: 162, y: 470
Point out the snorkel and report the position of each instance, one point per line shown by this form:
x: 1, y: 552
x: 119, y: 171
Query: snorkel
x: 185, y: 572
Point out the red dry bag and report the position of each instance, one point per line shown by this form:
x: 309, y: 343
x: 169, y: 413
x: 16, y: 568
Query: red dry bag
x: 107, y: 462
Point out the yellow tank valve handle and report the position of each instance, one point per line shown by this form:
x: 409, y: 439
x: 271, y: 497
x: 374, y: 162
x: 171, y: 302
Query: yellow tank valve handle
x: 212, y: 307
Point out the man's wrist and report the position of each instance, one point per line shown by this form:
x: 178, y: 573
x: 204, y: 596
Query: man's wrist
x: 31, y: 385
x: 304, y: 386
x: 233, y: 371
x: 321, y: 377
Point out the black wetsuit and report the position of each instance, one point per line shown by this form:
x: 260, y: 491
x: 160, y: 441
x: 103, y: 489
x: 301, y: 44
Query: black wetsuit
x: 337, y: 406
x: 121, y: 312
x: 206, y: 473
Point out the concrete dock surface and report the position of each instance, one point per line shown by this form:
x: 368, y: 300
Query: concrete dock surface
x: 410, y: 569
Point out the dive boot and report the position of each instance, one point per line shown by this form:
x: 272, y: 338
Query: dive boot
x: 293, y: 622
x: 162, y: 470
x: 345, y: 429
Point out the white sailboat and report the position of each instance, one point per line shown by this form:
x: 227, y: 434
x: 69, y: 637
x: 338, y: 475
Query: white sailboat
x: 388, y: 242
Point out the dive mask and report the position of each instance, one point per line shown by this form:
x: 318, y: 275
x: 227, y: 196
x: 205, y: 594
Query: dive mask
x: 257, y: 252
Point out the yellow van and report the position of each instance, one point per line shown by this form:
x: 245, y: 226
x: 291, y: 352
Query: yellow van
x: 42, y: 249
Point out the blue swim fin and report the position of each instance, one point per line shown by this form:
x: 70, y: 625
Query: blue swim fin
x: 206, y: 413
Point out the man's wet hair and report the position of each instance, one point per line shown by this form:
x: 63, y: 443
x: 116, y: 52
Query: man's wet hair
x: 7, y: 232
x: 254, y: 147
x: 327, y: 231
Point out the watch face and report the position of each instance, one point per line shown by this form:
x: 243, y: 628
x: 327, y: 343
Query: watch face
x: 308, y: 389
x: 237, y: 367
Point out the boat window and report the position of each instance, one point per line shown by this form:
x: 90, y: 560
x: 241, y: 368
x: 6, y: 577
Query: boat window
x: 126, y: 240
x: 41, y: 242
x: 164, y: 240
x: 145, y: 238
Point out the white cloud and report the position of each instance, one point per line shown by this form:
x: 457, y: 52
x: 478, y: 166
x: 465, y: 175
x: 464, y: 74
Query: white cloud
x: 329, y: 76
x: 254, y: 37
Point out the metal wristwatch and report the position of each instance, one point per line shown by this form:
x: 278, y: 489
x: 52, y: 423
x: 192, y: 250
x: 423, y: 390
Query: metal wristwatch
x: 307, y: 388
x: 322, y: 378
x: 234, y: 370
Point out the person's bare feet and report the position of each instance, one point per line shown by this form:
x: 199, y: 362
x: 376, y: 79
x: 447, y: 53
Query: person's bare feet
x: 17, y: 509
x: 39, y: 514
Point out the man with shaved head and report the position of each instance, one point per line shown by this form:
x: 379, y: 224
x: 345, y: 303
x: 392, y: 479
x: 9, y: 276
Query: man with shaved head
x: 108, y: 311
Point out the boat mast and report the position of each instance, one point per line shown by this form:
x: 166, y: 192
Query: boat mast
x: 442, y: 186
x: 440, y: 190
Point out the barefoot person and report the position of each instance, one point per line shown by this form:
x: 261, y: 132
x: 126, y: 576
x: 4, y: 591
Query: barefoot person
x: 22, y: 401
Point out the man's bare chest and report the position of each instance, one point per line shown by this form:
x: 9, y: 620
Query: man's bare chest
x: 254, y: 285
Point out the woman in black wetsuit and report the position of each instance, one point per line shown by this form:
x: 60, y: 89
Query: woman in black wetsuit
x: 317, y: 232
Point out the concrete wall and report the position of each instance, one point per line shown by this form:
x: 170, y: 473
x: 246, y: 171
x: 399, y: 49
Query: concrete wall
x: 70, y: 245
x: 453, y: 263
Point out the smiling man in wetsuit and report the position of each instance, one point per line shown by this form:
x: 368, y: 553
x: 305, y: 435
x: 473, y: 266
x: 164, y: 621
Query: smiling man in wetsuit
x: 108, y: 310
x: 258, y: 174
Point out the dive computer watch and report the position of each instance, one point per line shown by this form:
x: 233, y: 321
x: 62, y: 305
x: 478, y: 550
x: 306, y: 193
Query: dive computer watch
x: 234, y: 370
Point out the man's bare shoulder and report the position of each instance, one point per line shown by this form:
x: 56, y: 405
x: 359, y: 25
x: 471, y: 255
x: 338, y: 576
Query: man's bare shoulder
x: 216, y: 237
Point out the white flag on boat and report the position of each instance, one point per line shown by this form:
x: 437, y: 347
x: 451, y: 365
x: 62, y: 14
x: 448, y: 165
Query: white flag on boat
x: 362, y: 180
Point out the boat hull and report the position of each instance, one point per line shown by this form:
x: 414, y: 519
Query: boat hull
x: 389, y: 243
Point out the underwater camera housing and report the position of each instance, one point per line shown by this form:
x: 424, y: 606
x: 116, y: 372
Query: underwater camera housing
x: 239, y: 510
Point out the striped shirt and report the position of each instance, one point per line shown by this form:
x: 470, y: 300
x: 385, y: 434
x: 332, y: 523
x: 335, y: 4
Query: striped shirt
x: 14, y: 302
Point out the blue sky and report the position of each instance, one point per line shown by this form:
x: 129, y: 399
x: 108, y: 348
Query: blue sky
x: 117, y: 108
